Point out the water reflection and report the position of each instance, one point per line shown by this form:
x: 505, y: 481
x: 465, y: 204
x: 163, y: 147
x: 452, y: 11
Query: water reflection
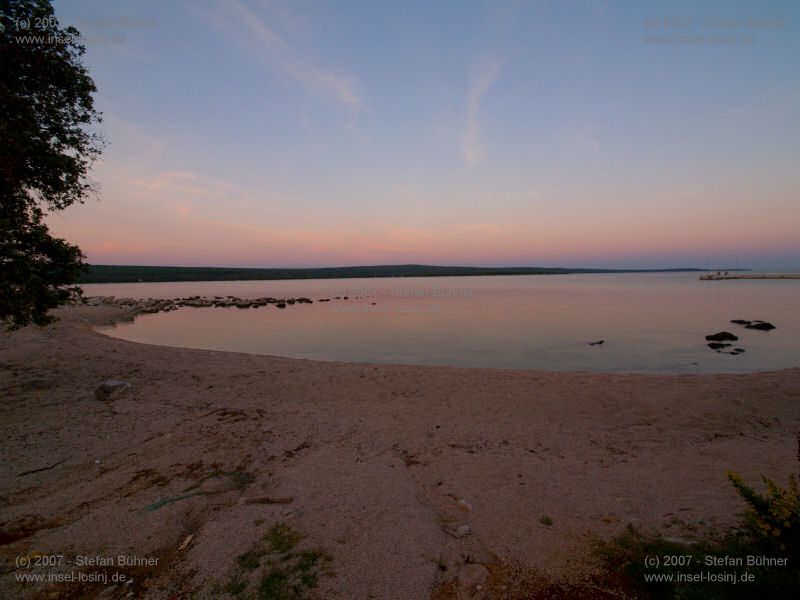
x: 649, y: 322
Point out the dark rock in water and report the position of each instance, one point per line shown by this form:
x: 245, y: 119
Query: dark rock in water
x: 281, y: 305
x: 597, y: 343
x: 717, y: 345
x: 722, y: 336
x: 736, y: 351
x: 760, y: 326
x: 740, y: 322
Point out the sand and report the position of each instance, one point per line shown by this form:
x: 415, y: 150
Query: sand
x: 368, y: 462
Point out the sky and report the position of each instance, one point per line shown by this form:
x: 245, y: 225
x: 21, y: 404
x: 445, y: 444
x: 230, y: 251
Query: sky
x: 323, y: 133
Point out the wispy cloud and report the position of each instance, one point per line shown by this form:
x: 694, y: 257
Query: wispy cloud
x: 131, y: 142
x: 483, y: 76
x: 581, y: 139
x: 184, y: 182
x: 278, y: 55
x: 769, y: 101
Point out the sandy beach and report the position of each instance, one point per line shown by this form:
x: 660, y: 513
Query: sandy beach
x: 380, y: 466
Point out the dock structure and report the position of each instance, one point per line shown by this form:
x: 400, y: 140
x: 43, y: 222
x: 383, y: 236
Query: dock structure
x: 720, y: 275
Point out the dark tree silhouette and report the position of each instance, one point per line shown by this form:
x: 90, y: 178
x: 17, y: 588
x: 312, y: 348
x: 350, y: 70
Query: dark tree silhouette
x: 46, y: 149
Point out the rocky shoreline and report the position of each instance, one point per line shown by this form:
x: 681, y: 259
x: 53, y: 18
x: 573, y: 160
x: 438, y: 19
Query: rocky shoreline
x: 720, y: 341
x: 155, y: 305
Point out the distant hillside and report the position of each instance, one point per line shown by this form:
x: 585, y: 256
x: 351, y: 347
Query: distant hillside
x: 127, y: 274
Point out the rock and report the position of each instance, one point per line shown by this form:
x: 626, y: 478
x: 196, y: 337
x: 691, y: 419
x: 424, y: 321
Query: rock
x: 760, y: 326
x: 472, y: 575
x: 597, y: 343
x: 463, y: 505
x: 243, y: 304
x: 218, y: 484
x: 185, y: 543
x: 280, y: 305
x: 740, y: 322
x: 107, y: 592
x: 681, y: 541
x: 460, y: 531
x: 198, y: 302
x: 717, y: 345
x: 722, y: 336
x: 110, y: 389
x: 736, y: 351
x: 269, y: 500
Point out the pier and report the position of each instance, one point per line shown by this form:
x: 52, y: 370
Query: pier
x: 720, y: 275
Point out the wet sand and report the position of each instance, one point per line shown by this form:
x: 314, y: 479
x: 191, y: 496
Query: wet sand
x: 368, y: 462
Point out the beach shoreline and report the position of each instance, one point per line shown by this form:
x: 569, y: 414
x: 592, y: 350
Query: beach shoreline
x: 379, y: 465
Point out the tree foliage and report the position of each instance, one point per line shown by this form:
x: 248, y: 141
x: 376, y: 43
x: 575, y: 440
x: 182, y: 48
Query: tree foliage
x: 47, y: 147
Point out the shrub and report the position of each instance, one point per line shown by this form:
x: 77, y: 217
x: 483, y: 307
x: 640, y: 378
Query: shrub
x: 769, y: 527
x: 771, y: 522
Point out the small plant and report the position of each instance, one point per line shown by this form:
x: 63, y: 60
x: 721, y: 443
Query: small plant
x: 769, y: 527
x: 282, y: 538
x: 287, y: 573
x: 236, y: 586
x: 772, y: 520
x: 545, y: 520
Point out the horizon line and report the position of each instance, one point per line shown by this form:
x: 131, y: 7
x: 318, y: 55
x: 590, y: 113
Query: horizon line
x: 425, y: 265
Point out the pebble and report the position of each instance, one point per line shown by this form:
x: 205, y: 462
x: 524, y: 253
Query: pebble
x: 472, y: 574
x: 459, y: 531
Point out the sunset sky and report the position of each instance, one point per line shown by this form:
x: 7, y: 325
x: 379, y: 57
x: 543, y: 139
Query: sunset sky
x: 618, y: 134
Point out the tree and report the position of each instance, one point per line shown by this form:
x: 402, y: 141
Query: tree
x: 47, y: 147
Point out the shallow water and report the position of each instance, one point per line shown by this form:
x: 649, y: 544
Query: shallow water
x: 650, y: 322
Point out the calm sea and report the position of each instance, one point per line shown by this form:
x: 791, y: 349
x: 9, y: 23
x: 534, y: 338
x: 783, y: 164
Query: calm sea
x: 649, y: 322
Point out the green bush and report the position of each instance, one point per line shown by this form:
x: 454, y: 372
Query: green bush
x: 772, y: 520
x: 769, y: 527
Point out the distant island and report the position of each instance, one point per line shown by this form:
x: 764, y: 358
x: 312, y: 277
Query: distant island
x: 132, y: 274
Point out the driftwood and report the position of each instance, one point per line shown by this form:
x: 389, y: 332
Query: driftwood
x: 42, y: 468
